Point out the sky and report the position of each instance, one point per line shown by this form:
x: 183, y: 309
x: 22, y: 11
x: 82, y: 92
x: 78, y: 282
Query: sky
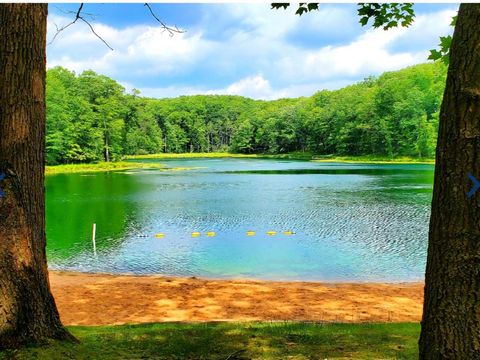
x: 238, y: 49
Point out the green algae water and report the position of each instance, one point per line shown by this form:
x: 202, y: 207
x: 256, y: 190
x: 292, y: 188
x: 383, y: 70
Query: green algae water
x: 350, y: 222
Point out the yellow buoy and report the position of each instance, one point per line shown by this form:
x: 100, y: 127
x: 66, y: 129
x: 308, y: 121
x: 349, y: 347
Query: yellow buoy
x: 271, y: 233
x: 211, y: 233
x: 288, y: 232
x: 196, y: 234
x: 159, y: 235
x: 250, y: 233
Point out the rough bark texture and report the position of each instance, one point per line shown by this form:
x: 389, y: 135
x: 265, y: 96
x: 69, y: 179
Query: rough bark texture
x: 451, y: 318
x: 27, y: 308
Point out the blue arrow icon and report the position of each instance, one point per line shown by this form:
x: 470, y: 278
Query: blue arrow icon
x: 2, y: 177
x: 476, y: 185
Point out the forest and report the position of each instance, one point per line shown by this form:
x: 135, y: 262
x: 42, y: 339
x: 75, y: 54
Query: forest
x: 90, y: 117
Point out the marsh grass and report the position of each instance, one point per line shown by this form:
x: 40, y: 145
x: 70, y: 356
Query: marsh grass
x: 110, y: 166
x: 298, y: 155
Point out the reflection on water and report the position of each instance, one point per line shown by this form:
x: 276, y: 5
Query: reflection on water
x: 352, y: 222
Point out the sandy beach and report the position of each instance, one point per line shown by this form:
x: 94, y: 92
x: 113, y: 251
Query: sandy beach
x: 101, y: 299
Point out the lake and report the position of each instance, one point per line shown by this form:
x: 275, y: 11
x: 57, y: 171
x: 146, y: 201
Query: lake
x: 348, y: 222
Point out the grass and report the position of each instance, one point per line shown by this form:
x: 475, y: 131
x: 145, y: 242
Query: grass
x: 298, y: 155
x: 264, y: 340
x: 109, y: 166
x: 129, y: 165
x: 101, y: 166
x: 370, y: 159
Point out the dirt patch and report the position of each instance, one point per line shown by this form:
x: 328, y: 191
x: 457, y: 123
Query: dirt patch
x: 99, y: 299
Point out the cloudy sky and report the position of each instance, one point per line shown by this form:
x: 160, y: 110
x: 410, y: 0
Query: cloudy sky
x: 242, y: 49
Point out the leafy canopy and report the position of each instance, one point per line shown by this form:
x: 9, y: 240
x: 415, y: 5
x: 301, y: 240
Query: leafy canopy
x: 387, y: 16
x: 383, y: 15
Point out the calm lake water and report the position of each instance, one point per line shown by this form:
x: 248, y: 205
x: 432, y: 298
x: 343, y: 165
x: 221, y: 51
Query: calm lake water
x: 351, y: 222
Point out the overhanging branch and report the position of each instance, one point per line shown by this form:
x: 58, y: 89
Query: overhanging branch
x: 80, y: 16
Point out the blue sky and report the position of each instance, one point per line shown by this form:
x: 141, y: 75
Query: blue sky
x: 243, y: 49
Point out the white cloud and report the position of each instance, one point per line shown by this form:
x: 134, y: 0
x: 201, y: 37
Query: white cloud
x: 368, y: 54
x: 138, y: 50
x: 255, y: 86
x: 247, y: 48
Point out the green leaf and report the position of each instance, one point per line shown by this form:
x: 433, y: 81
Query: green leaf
x: 454, y: 21
x: 445, y: 42
x: 302, y: 7
x: 280, y: 5
x: 386, y: 15
x: 391, y: 24
x: 435, y: 55
x: 301, y: 10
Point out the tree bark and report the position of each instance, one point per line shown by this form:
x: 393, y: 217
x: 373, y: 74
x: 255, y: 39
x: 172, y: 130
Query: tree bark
x: 451, y: 316
x: 27, y: 308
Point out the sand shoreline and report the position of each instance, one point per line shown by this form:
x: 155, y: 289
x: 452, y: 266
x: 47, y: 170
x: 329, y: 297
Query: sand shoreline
x: 133, y: 275
x: 106, y: 299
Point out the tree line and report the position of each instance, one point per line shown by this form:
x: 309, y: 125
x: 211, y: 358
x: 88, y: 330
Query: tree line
x: 90, y: 117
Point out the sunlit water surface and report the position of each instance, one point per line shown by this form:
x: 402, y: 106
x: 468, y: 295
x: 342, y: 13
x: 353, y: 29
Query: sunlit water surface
x: 351, y: 222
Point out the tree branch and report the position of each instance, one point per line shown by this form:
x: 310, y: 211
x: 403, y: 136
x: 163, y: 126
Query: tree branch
x: 93, y: 31
x: 171, y: 31
x: 79, y: 16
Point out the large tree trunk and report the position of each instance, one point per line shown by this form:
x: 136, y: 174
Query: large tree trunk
x: 27, y: 309
x: 451, y: 316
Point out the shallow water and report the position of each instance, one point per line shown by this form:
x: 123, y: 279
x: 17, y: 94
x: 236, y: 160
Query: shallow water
x: 351, y: 222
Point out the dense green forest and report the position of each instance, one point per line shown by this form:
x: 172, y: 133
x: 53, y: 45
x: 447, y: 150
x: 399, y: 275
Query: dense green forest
x: 90, y: 117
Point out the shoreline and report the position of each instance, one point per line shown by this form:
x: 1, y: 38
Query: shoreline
x: 108, y: 299
x: 123, y: 165
x: 248, y: 279
x: 366, y: 159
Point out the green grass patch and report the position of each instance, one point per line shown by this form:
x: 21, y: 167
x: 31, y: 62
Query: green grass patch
x: 101, y: 166
x: 110, y: 166
x: 258, y: 340
x: 131, y: 165
x: 298, y: 155
x: 374, y: 159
